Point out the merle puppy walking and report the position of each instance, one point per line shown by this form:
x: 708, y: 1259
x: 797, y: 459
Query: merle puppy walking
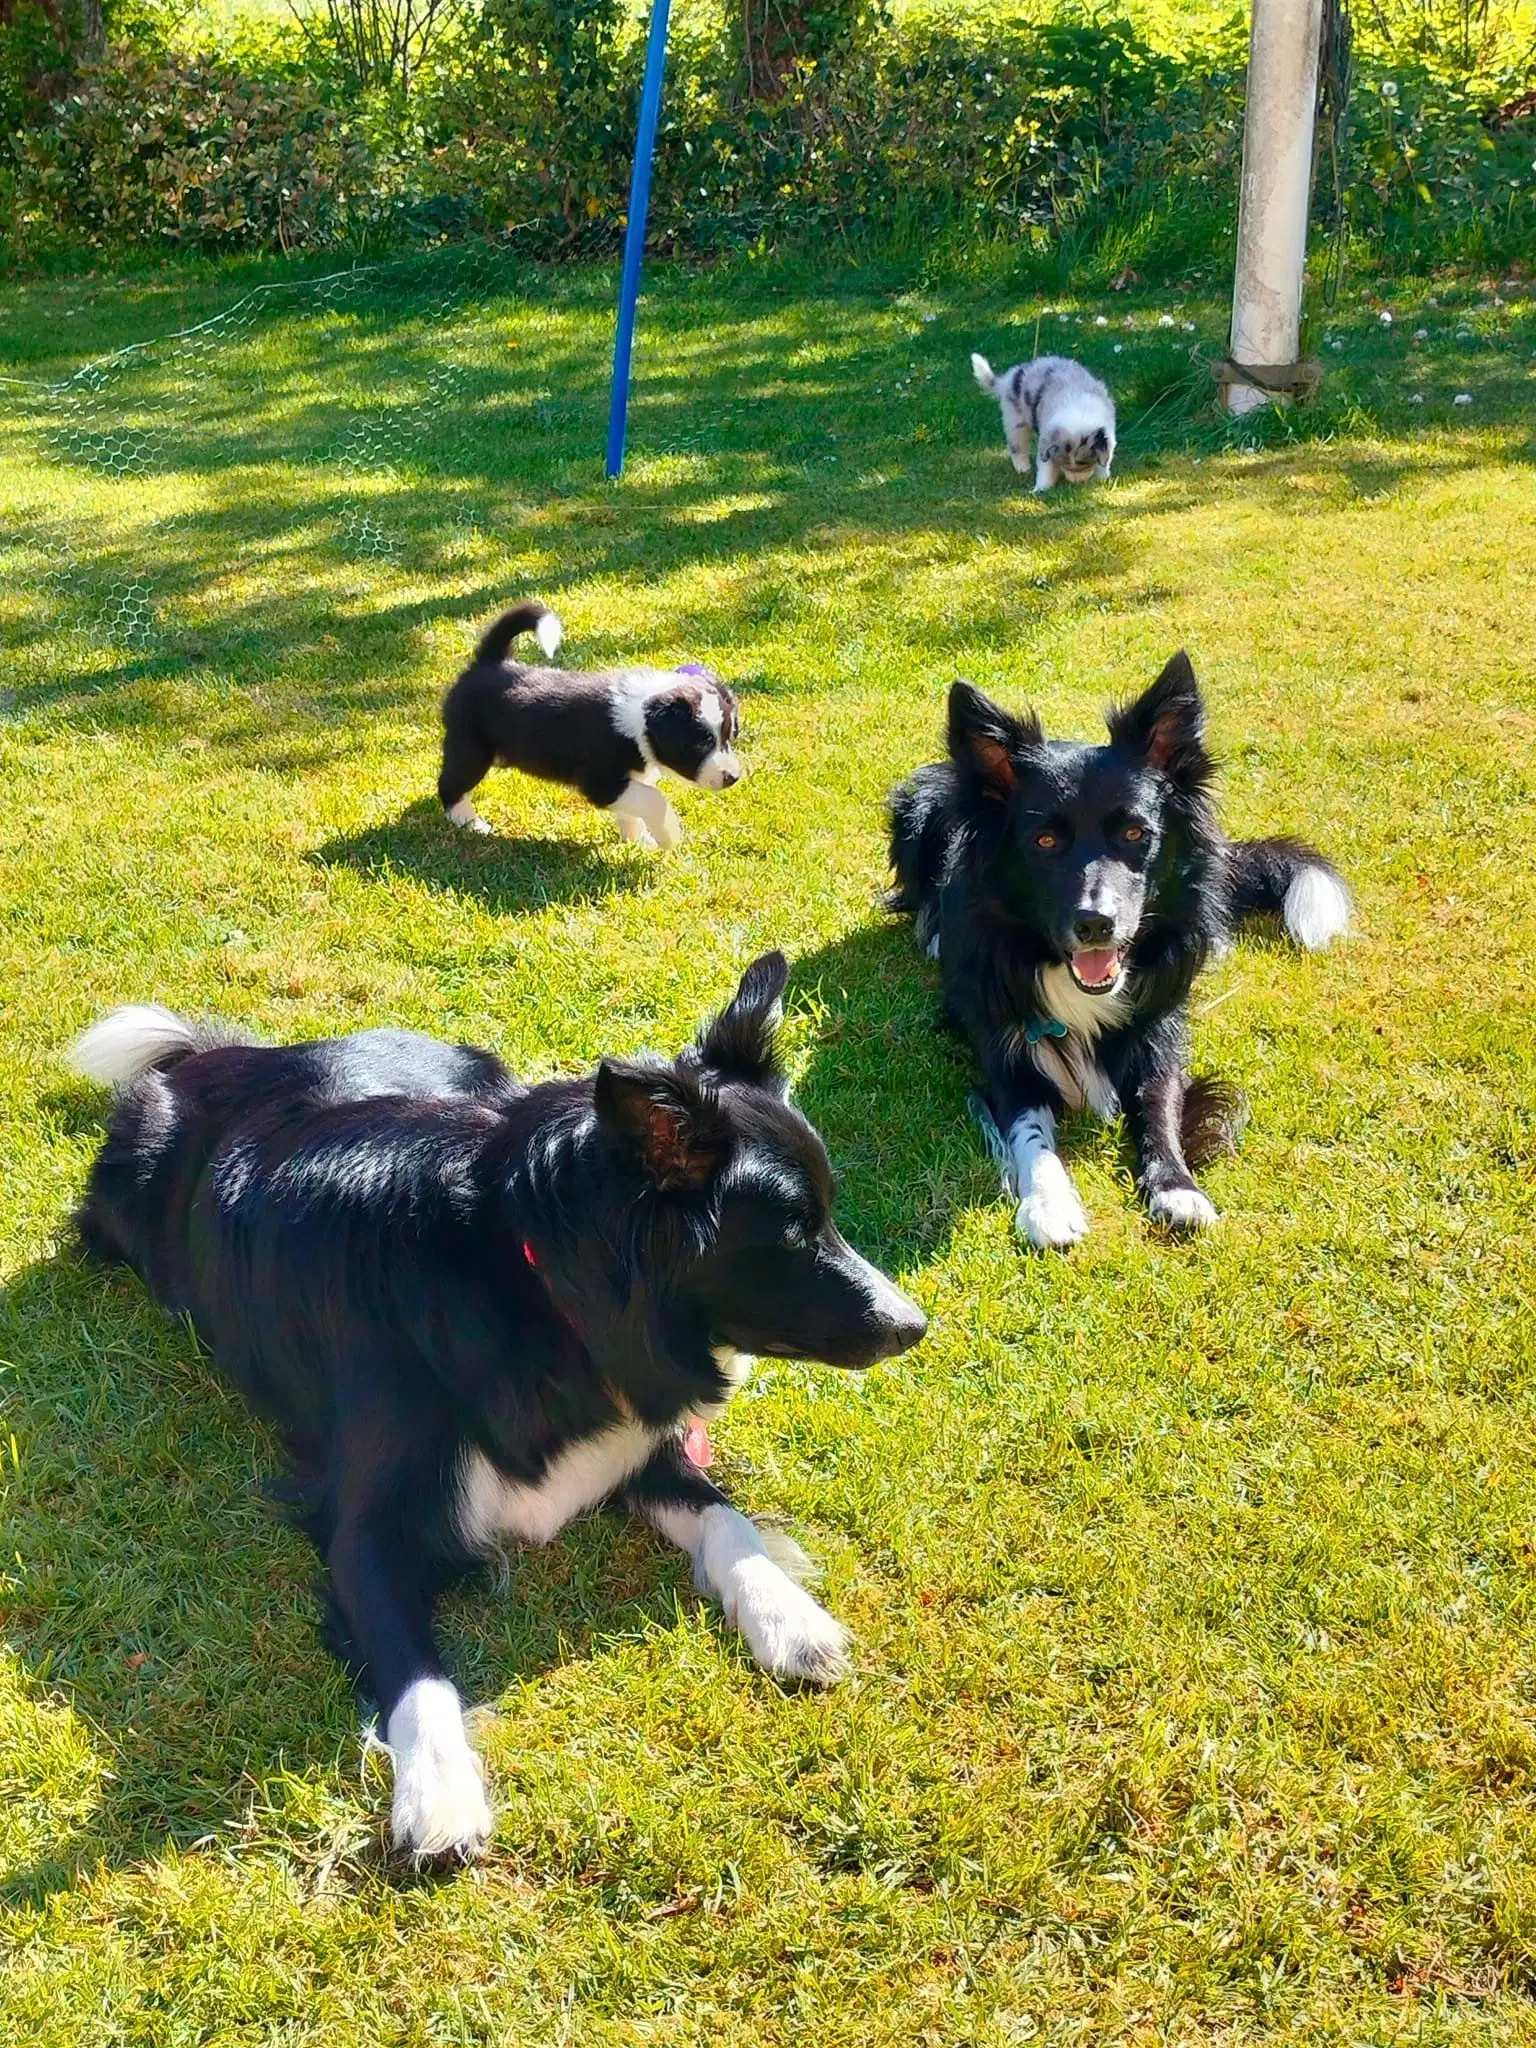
x: 1072, y: 894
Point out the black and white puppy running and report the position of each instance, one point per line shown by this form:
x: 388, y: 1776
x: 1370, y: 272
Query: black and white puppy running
x: 605, y: 732
x: 473, y: 1308
x: 1072, y: 894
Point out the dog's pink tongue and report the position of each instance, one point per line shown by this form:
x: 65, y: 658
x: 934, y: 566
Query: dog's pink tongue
x: 1097, y: 966
x: 697, y: 1448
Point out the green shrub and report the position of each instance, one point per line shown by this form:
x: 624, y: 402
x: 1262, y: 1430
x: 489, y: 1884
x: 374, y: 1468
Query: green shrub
x: 194, y: 154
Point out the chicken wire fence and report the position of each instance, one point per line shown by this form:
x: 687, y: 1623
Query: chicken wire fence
x: 379, y: 349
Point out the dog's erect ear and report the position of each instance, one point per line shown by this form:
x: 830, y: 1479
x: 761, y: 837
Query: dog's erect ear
x: 986, y: 741
x: 1166, y: 724
x: 672, y: 1121
x: 739, y: 1042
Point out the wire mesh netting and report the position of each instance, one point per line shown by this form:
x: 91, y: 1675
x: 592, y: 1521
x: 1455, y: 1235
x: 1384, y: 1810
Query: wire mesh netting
x: 364, y: 375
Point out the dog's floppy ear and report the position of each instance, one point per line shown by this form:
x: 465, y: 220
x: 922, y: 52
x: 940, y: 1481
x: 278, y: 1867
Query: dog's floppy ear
x: 670, y: 1119
x: 740, y: 1041
x: 986, y: 741
x: 1165, y: 726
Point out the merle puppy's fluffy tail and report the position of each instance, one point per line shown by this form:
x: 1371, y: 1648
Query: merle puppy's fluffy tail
x: 533, y: 617
x: 130, y: 1042
x: 1285, y: 879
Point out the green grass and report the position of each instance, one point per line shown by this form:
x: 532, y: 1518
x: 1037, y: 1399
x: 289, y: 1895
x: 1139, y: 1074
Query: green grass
x: 1193, y: 1585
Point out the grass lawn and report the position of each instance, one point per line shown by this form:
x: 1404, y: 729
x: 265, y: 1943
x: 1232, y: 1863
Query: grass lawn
x: 1193, y: 1585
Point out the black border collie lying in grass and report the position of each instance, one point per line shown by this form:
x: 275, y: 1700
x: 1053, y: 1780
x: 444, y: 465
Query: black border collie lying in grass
x: 1072, y: 894
x: 473, y: 1309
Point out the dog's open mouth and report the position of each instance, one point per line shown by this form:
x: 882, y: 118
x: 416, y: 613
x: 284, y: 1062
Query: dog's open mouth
x: 1096, y: 969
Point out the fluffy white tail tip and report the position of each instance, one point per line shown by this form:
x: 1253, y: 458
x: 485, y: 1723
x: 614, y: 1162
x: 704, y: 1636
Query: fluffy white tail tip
x: 984, y: 376
x: 1316, y: 908
x: 549, y: 633
x: 128, y: 1042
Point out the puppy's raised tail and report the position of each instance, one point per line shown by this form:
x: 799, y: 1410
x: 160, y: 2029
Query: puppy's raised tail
x: 1285, y: 879
x: 532, y: 617
x: 127, y: 1043
x: 986, y: 376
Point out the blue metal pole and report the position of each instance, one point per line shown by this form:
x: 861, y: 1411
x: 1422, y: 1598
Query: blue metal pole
x: 634, y: 232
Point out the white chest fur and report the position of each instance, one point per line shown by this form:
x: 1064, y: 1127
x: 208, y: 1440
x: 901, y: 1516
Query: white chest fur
x: 1069, y: 1061
x: 491, y: 1506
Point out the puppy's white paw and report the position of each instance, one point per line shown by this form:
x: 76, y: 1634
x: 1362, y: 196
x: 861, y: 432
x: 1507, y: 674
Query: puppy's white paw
x: 1051, y: 1216
x: 482, y: 826
x: 1020, y: 462
x: 787, y: 1632
x: 1181, y: 1209
x: 668, y: 830
x: 466, y: 817
x: 440, y: 1808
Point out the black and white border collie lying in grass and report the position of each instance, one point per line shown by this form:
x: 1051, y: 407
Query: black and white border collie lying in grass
x: 605, y: 732
x: 1072, y: 894
x: 473, y: 1309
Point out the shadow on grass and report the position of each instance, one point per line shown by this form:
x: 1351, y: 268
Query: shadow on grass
x: 503, y: 871
x: 886, y: 1086
x: 162, y: 1611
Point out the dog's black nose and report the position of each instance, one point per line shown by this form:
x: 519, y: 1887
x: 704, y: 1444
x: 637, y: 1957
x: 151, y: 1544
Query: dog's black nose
x: 1089, y: 928
x: 730, y: 778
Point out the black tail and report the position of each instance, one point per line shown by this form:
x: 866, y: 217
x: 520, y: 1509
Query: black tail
x: 523, y: 618
x: 1215, y: 1116
x: 1285, y: 879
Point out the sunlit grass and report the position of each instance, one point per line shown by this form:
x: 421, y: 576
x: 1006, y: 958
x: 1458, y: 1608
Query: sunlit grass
x: 1192, y: 1584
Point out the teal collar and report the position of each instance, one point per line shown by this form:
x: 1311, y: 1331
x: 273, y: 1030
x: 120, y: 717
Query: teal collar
x: 1044, y: 1027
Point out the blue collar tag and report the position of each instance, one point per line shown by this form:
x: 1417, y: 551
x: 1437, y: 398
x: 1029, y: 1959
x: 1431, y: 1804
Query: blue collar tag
x: 1044, y: 1027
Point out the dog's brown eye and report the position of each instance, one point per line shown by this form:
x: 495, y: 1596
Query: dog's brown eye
x: 1134, y: 832
x: 1047, y: 841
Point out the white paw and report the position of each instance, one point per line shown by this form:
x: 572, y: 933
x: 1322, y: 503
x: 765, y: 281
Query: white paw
x: 440, y: 1807
x: 787, y: 1632
x: 482, y: 826
x: 1020, y: 463
x: 669, y: 830
x: 1051, y: 1217
x: 1181, y: 1209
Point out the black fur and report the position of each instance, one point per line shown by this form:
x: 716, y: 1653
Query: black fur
x: 560, y: 724
x: 1019, y: 854
x: 401, y: 1254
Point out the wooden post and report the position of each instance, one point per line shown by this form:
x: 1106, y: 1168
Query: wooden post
x: 1276, y: 190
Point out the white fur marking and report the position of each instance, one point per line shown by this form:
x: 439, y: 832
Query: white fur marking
x: 439, y: 1804
x: 736, y: 1368
x: 549, y: 633
x: 645, y: 805
x: 491, y: 1505
x: 1049, y: 1212
x: 1182, y: 1209
x: 464, y: 814
x: 127, y: 1042
x: 1316, y: 908
x: 788, y: 1633
x: 1087, y: 1015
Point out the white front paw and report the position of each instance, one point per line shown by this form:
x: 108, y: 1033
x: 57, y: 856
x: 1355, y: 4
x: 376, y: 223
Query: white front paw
x: 440, y: 1807
x: 1051, y: 1217
x: 1181, y: 1209
x: 788, y: 1633
x: 669, y: 830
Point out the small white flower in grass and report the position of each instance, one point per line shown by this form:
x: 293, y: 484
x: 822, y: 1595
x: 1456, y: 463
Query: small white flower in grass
x: 1119, y: 348
x: 1385, y: 319
x: 930, y: 316
x: 1165, y: 320
x: 1189, y: 326
x: 1421, y: 334
x: 1431, y: 302
x: 1099, y: 320
x: 1462, y: 398
x: 1417, y: 398
x: 1335, y: 344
